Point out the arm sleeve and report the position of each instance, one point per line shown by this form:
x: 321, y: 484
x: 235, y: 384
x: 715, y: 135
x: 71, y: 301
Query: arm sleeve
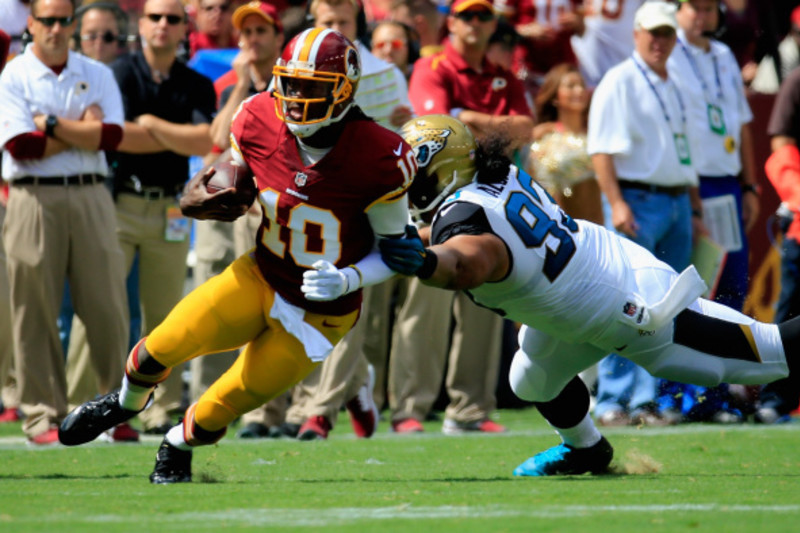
x: 111, y: 100
x: 459, y: 218
x: 427, y: 89
x: 608, y: 125
x: 787, y: 104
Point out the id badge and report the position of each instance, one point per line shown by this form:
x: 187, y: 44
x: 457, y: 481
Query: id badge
x: 177, y: 227
x: 682, y: 147
x: 715, y: 120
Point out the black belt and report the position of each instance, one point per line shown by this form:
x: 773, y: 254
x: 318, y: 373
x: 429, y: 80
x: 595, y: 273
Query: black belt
x: 77, y: 179
x: 149, y: 193
x: 672, y: 190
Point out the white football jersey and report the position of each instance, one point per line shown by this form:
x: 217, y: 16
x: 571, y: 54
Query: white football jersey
x: 571, y: 279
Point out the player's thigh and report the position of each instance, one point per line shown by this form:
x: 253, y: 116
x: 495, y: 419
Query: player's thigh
x: 544, y: 365
x: 224, y: 313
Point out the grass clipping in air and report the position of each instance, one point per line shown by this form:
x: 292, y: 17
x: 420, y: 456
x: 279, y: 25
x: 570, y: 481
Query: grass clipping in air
x: 636, y: 462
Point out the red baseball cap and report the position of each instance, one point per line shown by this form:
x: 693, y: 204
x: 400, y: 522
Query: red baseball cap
x: 462, y: 5
x: 264, y: 10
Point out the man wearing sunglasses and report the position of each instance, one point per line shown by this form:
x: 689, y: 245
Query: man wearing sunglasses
x: 168, y: 112
x: 213, y: 26
x: 100, y: 31
x: 60, y: 112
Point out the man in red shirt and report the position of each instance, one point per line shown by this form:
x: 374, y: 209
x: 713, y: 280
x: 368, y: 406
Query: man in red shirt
x: 213, y: 26
x: 461, y: 82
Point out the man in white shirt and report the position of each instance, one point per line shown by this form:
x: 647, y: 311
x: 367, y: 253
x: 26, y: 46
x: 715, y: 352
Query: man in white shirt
x: 640, y: 150
x: 60, y: 112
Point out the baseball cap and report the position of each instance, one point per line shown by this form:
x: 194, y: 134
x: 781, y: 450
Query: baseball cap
x: 655, y: 14
x: 264, y: 10
x: 462, y: 5
x: 795, y: 17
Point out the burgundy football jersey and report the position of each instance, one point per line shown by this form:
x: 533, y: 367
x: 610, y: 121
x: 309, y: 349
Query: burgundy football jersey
x: 317, y: 212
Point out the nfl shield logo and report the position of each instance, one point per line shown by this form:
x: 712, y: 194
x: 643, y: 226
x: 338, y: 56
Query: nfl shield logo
x: 300, y: 179
x: 629, y: 309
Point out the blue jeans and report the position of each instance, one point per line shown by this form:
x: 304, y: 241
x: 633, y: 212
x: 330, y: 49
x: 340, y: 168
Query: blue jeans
x: 665, y: 228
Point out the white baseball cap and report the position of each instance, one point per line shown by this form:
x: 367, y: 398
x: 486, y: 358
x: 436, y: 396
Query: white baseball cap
x: 655, y: 14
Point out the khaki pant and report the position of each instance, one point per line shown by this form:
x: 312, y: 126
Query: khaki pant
x: 141, y: 226
x: 8, y: 383
x: 52, y: 233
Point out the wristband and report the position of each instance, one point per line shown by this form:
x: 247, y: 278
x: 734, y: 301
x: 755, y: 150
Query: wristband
x: 428, y: 265
x: 751, y: 187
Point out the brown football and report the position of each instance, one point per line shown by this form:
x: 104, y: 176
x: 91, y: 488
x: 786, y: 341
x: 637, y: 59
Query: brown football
x: 229, y: 174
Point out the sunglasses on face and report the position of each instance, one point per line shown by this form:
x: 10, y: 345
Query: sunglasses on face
x: 107, y: 37
x: 172, y: 20
x: 395, y: 44
x: 52, y: 21
x: 483, y: 15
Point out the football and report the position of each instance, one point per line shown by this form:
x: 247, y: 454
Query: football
x: 229, y: 174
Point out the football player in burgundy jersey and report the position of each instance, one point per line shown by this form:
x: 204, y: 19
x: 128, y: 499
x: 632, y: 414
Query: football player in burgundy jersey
x: 579, y: 290
x: 332, y: 183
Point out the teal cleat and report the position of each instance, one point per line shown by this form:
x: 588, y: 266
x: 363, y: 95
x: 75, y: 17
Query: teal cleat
x: 564, y: 460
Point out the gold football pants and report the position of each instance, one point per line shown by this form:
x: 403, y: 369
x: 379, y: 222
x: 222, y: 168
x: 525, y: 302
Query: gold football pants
x: 228, y: 311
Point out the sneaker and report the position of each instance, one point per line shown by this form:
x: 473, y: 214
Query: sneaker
x: 452, y: 427
x: 407, y: 425
x: 123, y: 433
x: 47, y: 438
x: 289, y: 429
x: 362, y: 409
x: 86, y: 422
x: 253, y: 430
x: 770, y: 415
x: 173, y: 465
x: 315, y: 428
x: 614, y: 418
x: 564, y: 460
x: 727, y: 416
x: 10, y: 414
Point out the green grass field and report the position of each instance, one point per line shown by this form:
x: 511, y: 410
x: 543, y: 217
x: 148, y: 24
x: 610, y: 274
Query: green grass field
x: 689, y: 478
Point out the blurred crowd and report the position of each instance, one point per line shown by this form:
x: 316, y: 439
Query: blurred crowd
x: 569, y: 82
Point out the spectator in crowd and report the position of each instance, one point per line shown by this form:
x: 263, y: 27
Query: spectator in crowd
x: 457, y: 80
x: 640, y: 151
x: 218, y: 243
x: 778, y: 399
x: 344, y: 379
x: 502, y: 44
x: 607, y: 38
x: 14, y: 21
x: 427, y: 21
x: 291, y: 322
x: 559, y: 160
x: 168, y: 109
x: 718, y: 119
x: 395, y: 43
x: 102, y: 31
x: 60, y: 111
x: 773, y: 70
x: 545, y: 29
x: 213, y: 27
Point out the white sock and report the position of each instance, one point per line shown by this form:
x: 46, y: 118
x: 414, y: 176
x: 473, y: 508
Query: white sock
x: 133, y: 397
x: 584, y: 435
x: 175, y: 437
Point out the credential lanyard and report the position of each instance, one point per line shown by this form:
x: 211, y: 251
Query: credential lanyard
x: 660, y: 100
x: 699, y: 75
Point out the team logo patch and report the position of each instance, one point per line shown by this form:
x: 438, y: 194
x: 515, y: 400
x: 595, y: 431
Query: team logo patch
x: 499, y: 84
x: 430, y: 142
x: 81, y: 87
x: 633, y: 311
x: 300, y: 179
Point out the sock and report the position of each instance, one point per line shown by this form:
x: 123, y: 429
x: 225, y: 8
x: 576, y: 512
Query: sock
x: 790, y: 337
x: 176, y: 438
x: 133, y: 397
x: 584, y: 435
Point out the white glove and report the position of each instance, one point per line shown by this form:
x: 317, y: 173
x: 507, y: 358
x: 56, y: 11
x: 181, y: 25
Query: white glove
x: 326, y: 282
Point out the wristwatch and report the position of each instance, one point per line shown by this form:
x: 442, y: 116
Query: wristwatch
x: 751, y: 187
x: 50, y: 124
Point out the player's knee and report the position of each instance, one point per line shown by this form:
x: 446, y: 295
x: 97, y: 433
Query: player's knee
x: 525, y: 381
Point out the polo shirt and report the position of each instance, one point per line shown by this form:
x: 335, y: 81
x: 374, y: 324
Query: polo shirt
x: 627, y: 121
x: 28, y: 87
x: 444, y: 81
x: 185, y: 97
x: 714, y: 78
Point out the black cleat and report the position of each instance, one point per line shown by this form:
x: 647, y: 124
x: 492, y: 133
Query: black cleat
x: 564, y: 460
x: 173, y: 465
x: 87, y: 421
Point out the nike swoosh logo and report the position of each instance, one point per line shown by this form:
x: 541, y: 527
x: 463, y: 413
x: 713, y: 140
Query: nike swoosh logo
x: 620, y: 348
x: 329, y: 325
x: 399, y: 150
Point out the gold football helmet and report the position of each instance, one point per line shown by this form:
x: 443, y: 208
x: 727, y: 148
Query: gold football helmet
x: 445, y: 152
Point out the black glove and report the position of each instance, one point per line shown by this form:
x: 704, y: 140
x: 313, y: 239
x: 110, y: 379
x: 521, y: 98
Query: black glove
x: 407, y: 255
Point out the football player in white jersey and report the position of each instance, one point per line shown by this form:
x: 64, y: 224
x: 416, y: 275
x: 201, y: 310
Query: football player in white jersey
x: 579, y: 290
